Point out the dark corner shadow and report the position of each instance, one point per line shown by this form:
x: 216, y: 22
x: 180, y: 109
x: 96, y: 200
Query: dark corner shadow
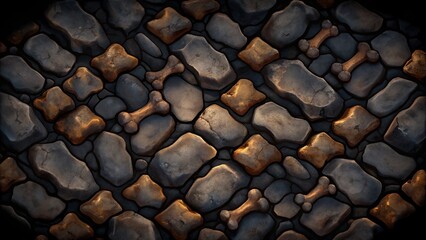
x: 13, y: 229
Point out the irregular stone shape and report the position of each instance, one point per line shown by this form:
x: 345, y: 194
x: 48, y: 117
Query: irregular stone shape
x: 222, y: 29
x: 27, y: 30
x: 179, y: 219
x: 132, y: 91
x: 292, y: 235
x: 278, y: 122
x: 101, y: 207
x: 322, y: 64
x: 205, y: 196
x: 392, y: 97
x: 174, y: 165
x: 392, y: 208
x: 211, y: 234
x: 277, y: 190
x: 343, y: 46
x: 114, y: 160
x: 34, y: 199
x: 126, y: 14
x: 169, y: 25
x: 15, y: 71
x: 210, y: 67
x: 358, y: 17
x: 355, y: 124
x: 361, y: 228
x: 53, y: 103
x: 147, y: 46
x: 294, y: 168
x: 313, y: 95
x: 49, y: 55
x: 360, y: 187
x: 387, y: 161
x: 185, y: 100
x: 219, y: 128
x: 326, y: 215
x: 287, y: 25
x: 70, y: 175
x: 130, y: 225
x: 286, y: 208
x: 320, y: 148
x: 364, y: 78
x: 392, y: 47
x: 415, y: 188
x: 242, y: 96
x: 83, y: 84
x: 109, y: 107
x: 71, y: 227
x: 254, y: 226
x: 79, y: 124
x: 256, y: 154
x: 82, y: 29
x: 10, y: 174
x: 18, y: 135
x: 407, y: 131
x: 416, y: 65
x: 250, y: 12
x: 198, y: 9
x: 258, y: 53
x: 145, y: 192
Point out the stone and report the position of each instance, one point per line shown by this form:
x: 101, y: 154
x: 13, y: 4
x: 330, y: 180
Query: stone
x: 364, y: 78
x: 71, y: 227
x: 186, y: 100
x: 274, y: 119
x: 49, y: 55
x: 114, y: 160
x: 361, y: 188
x: 277, y: 190
x: 415, y: 188
x: 286, y: 208
x: 82, y: 29
x: 23, y: 78
x: 210, y: 67
x: 132, y: 91
x: 258, y: 53
x: 355, y: 124
x: 326, y: 215
x: 205, y: 196
x: 198, y: 9
x: 343, y: 45
x: 79, y: 124
x: 18, y: 135
x: 130, y: 225
x: 392, y: 47
x: 27, y: 30
x: 145, y: 192
x: 292, y: 235
x: 10, y: 174
x: 361, y: 228
x: 250, y: 12
x: 70, y: 175
x: 33, y: 198
x: 242, y: 96
x: 392, y: 97
x: 407, y: 131
x: 174, y: 165
x: 53, y: 103
x: 313, y: 95
x: 169, y: 25
x: 219, y: 128
x: 179, y: 219
x: 222, y: 29
x: 358, y: 18
x: 319, y: 149
x: 141, y: 164
x: 294, y: 168
x: 126, y: 15
x: 391, y: 209
x: 109, y: 107
x: 322, y: 64
x: 83, y: 84
x: 147, y: 46
x: 286, y: 26
x: 254, y: 226
x: 101, y: 207
x: 416, y: 65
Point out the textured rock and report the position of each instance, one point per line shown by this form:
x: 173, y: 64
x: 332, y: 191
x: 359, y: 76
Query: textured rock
x: 361, y: 228
x: 416, y: 65
x: 53, y: 103
x: 250, y: 12
x: 392, y: 208
x: 130, y: 225
x: 198, y: 9
x: 132, y: 91
x: 415, y: 188
x: 222, y: 29
x: 277, y: 190
x: 358, y: 17
x: 392, y: 47
x: 294, y: 168
x: 147, y: 46
x: 145, y: 192
x: 292, y: 235
x: 242, y: 96
x: 169, y: 25
x: 83, y: 84
x: 254, y: 226
x: 10, y: 174
x: 109, y: 107
x: 258, y: 53
x: 322, y: 64
x: 286, y: 208
x: 211, y: 234
x: 27, y: 30
x: 101, y: 207
x: 364, y: 78
x: 71, y: 227
x: 126, y: 14
x: 343, y: 45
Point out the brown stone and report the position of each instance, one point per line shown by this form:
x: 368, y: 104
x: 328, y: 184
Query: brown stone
x: 211, y: 234
x: 114, y: 61
x: 169, y: 25
x: 70, y: 228
x: 256, y: 154
x: 145, y: 192
x: 355, y: 124
x: 27, y: 30
x: 53, y: 103
x: 179, y: 219
x: 198, y: 9
x: 320, y: 148
x: 258, y: 53
x: 3, y: 48
x: 10, y: 173
x: 101, y: 207
x: 416, y: 65
x: 79, y: 124
x: 415, y: 188
x: 391, y: 209
x: 83, y: 83
x: 242, y: 96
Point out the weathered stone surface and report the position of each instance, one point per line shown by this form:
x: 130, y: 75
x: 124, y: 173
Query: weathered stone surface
x: 322, y: 64
x: 126, y: 14
x: 83, y: 84
x: 198, y: 9
x: 71, y: 227
x: 250, y: 12
x: 210, y: 67
x: 415, y: 188
x: 292, y: 235
x: 294, y: 168
x: 287, y: 208
x: 130, y: 225
x: 132, y: 91
x: 343, y: 45
x: 287, y: 25
x: 211, y: 234
x: 174, y: 165
x: 242, y: 96
x: 147, y: 46
x: 145, y: 192
x: 169, y: 25
x: 278, y: 122
x: 313, y: 95
x: 358, y: 17
x: 15, y: 71
x: 222, y: 29
x: 10, y: 174
x: 364, y: 78
x: 101, y: 207
x: 53, y: 103
x: 109, y: 107
x: 70, y: 175
x: 416, y: 65
x: 205, y: 195
x: 277, y: 190
x: 258, y: 53
x: 27, y: 30
x: 361, y: 228
x: 391, y: 209
x: 392, y: 47
x: 360, y: 187
x: 254, y: 226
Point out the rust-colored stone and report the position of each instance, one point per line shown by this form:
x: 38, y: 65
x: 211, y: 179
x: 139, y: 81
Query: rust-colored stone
x: 10, y: 173
x: 391, y: 209
x: 25, y: 31
x: 70, y: 228
x: 53, y: 103
x: 416, y: 65
x: 145, y: 192
x: 101, y: 207
x: 83, y: 83
x: 415, y: 188
x: 169, y: 25
x: 258, y: 53
x: 242, y: 96
x: 198, y: 9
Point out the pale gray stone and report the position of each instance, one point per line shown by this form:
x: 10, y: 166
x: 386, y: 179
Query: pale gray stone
x: 392, y: 47
x: 294, y: 168
x: 147, y: 46
x: 358, y: 17
x: 222, y: 29
x: 364, y: 78
x: 277, y: 190
x: 287, y: 208
x: 130, y: 225
x: 132, y: 91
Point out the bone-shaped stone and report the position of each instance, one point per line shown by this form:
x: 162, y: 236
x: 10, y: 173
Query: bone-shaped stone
x: 255, y: 202
x: 343, y: 70
x: 156, y: 104
x: 173, y: 65
x: 311, y: 47
x: 323, y: 188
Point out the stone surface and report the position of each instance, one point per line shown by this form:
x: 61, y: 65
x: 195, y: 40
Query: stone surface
x: 101, y: 207
x: 242, y: 96
x: 83, y: 84
x: 322, y: 64
x: 132, y: 91
x: 277, y: 190
x: 10, y: 174
x: 71, y: 227
x: 392, y: 47
x: 147, y: 46
x: 198, y: 9
x: 292, y: 235
x: 391, y: 209
x: 250, y: 12
x: 343, y: 45
x: 415, y: 188
x: 211, y: 234
x: 169, y: 25
x: 109, y: 107
x: 53, y: 103
x: 294, y: 168
x: 254, y: 226
x: 145, y: 192
x: 130, y: 225
x: 364, y: 78
x: 222, y: 29
x: 258, y: 53
x: 26, y: 30
x: 416, y: 65
x: 360, y: 229
x: 126, y: 14
x: 286, y: 208
x: 358, y: 17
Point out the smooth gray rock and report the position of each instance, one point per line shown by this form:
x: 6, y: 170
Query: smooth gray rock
x: 392, y: 47
x: 250, y: 12
x: 109, y: 107
x: 222, y: 29
x: 124, y: 14
x: 131, y: 225
x: 360, y: 229
x: 306, y: 184
x: 358, y: 18
x: 132, y: 91
x: 343, y: 45
x: 287, y: 208
x: 254, y: 226
x: 211, y: 234
x: 277, y: 190
x: 322, y: 64
x: 294, y: 168
x: 147, y: 46
x: 364, y: 78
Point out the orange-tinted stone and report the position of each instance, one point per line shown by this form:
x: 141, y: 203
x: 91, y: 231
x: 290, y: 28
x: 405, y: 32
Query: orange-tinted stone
x: 53, y: 103
x: 391, y: 209
x: 10, y: 173
x: 258, y: 53
x: 169, y: 25
x: 198, y: 9
x: 70, y: 228
x: 416, y: 65
x: 83, y: 83
x: 27, y: 30
x: 242, y: 96
x: 415, y: 188
x: 145, y: 192
x: 101, y: 207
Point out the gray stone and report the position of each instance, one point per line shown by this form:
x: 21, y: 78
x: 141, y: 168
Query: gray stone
x: 360, y: 229
x: 277, y: 190
x: 222, y: 29
x: 124, y: 14
x: 287, y: 208
x: 392, y: 47
x: 210, y: 67
x: 292, y: 235
x: 109, y: 107
x: 305, y: 184
x: 358, y: 17
x: 130, y: 225
x: 360, y: 187
x: 114, y: 161
x: 364, y: 78
x: 287, y: 25
x: 313, y: 95
x: 132, y: 91
x: 254, y: 226
x: 322, y: 64
x: 147, y: 46
x: 343, y: 46
x: 211, y: 234
x: 141, y: 164
x: 250, y: 12
x: 294, y: 168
